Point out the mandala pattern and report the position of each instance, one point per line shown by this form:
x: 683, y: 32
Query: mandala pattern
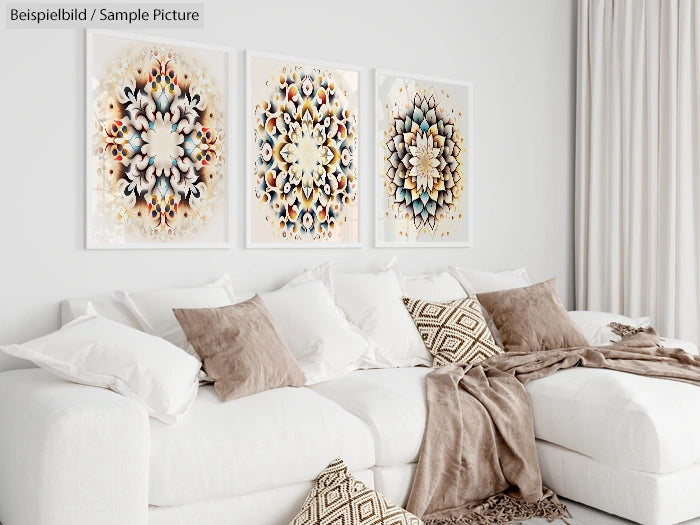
x: 453, y: 331
x: 305, y: 154
x: 423, y: 166
x: 339, y: 498
x: 159, y: 143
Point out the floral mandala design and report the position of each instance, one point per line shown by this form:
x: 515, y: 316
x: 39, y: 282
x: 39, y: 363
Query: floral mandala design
x: 422, y: 165
x: 160, y: 143
x: 305, y: 161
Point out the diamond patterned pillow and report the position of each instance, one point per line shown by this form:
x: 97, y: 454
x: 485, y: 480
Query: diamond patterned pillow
x: 340, y: 499
x: 453, y: 331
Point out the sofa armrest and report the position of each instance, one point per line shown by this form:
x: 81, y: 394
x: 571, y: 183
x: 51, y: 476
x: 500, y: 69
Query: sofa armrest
x: 70, y: 454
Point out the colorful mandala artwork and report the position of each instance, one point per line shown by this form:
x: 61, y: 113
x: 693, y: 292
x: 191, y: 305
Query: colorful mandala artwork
x: 304, y: 154
x: 158, y: 145
x: 423, y: 171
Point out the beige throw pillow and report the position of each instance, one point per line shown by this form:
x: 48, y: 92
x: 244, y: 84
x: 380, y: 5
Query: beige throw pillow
x: 453, y: 331
x: 532, y: 318
x: 339, y: 498
x: 240, y: 348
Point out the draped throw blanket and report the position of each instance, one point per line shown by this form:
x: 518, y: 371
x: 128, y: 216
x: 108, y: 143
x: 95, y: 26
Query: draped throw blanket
x: 478, y: 463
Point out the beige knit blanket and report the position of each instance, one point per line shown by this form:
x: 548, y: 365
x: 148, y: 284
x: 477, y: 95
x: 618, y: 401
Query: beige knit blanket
x: 478, y: 464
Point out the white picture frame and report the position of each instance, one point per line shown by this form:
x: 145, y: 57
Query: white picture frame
x: 209, y: 225
x: 260, y: 68
x: 394, y: 226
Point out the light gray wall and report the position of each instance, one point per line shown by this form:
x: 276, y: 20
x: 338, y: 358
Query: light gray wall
x: 520, y: 55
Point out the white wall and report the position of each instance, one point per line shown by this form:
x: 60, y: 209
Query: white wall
x: 520, y: 55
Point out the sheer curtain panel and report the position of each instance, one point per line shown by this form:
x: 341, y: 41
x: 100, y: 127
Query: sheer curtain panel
x: 638, y: 161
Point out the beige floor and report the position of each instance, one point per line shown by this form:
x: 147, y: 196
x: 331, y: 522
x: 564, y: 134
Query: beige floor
x: 588, y: 516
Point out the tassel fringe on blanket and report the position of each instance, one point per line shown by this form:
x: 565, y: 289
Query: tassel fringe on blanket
x: 625, y: 330
x: 502, y: 508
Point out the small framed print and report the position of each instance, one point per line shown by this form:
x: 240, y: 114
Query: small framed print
x: 157, y: 143
x: 303, y: 153
x: 424, y: 161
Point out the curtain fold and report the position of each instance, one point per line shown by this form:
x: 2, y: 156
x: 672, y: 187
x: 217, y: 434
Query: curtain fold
x: 637, y: 223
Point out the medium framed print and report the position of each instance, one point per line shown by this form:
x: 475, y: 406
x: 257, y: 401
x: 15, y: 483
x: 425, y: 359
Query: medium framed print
x: 157, y: 143
x: 424, y: 161
x: 303, y: 153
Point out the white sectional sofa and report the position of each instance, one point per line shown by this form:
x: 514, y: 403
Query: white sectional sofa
x: 79, y: 455
x: 73, y: 455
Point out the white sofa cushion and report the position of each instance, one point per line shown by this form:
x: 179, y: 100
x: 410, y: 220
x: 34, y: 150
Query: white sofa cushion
x: 433, y: 287
x: 475, y: 282
x: 267, y: 440
x: 109, y: 307
x: 594, y: 325
x: 100, y: 352
x: 391, y: 402
x: 322, y: 272
x: 687, y: 346
x: 316, y: 331
x: 267, y: 507
x: 373, y: 303
x: 622, y: 420
x: 154, y: 309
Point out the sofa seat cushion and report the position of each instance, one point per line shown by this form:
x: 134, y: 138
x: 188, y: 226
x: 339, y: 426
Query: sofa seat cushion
x: 391, y: 402
x: 619, y: 419
x: 267, y: 507
x: 260, y: 442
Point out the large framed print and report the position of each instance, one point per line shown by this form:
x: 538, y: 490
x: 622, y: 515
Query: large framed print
x: 424, y: 161
x: 157, y: 143
x: 303, y: 136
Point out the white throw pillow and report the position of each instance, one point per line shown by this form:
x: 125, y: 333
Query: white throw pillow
x: 108, y: 307
x: 475, y: 282
x: 687, y: 346
x: 322, y: 272
x: 594, y: 325
x: 373, y: 302
x: 316, y: 331
x: 433, y: 287
x: 96, y: 351
x: 154, y: 309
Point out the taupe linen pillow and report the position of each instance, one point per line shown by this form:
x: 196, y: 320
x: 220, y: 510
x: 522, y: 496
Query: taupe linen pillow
x: 240, y: 348
x: 532, y: 318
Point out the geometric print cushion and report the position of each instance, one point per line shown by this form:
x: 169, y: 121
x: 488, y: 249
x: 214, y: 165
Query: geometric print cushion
x: 340, y: 499
x: 453, y: 331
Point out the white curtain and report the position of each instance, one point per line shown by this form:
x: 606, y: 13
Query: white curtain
x: 638, y: 161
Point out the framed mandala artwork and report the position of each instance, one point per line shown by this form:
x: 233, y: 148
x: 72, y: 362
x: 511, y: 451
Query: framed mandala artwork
x: 157, y: 143
x: 424, y: 154
x: 303, y: 144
